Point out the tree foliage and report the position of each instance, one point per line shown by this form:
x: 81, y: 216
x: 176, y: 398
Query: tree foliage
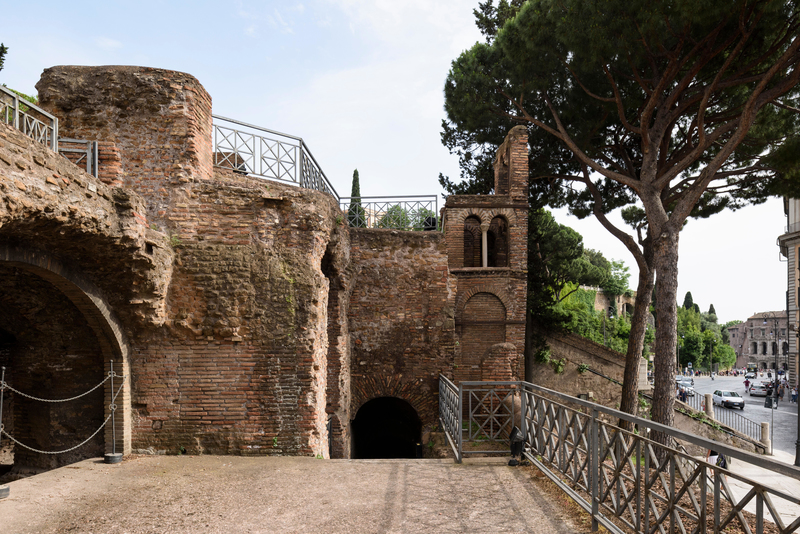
x: 356, y: 216
x: 3, y: 52
x: 678, y: 108
x: 688, y: 301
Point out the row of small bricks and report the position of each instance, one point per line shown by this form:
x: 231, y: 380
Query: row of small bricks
x: 110, y: 458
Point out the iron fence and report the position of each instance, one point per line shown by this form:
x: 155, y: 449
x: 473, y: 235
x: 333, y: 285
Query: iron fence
x: 731, y: 419
x: 625, y: 479
x: 28, y: 118
x: 268, y: 154
x: 727, y: 417
x: 415, y: 212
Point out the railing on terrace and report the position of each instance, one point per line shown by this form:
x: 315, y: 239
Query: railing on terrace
x: 402, y: 213
x: 625, y: 480
x: 28, y: 118
x: 268, y: 154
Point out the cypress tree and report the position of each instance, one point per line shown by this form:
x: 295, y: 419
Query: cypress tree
x: 688, y: 302
x: 712, y: 310
x: 356, y: 216
x: 3, y: 51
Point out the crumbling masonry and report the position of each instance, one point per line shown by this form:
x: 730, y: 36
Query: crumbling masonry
x: 245, y: 315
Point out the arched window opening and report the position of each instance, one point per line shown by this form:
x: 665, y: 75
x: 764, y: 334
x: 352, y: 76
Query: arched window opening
x: 754, y: 348
x: 387, y: 427
x: 472, y: 242
x: 498, y: 242
x: 764, y: 347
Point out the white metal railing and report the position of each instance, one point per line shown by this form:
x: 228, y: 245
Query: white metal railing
x: 28, y: 118
x: 267, y: 154
x: 415, y: 212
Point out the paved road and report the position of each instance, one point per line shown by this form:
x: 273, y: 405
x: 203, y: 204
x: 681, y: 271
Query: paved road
x: 785, y: 417
x: 226, y: 494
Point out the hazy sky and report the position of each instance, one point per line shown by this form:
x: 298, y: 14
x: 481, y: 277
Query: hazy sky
x: 361, y: 82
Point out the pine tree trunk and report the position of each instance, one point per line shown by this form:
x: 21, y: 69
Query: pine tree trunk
x: 630, y: 384
x: 665, y: 259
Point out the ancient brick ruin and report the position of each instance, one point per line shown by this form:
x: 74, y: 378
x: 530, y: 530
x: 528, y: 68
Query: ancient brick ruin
x: 246, y: 315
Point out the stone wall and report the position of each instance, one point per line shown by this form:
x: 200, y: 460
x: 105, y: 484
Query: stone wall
x: 78, y: 259
x: 159, y: 120
x: 576, y: 351
x: 400, y: 318
x: 241, y: 365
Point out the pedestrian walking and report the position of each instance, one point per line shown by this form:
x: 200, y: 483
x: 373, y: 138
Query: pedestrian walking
x: 780, y: 391
x: 794, y: 395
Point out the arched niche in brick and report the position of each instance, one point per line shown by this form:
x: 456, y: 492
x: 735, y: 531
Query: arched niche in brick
x: 498, y: 242
x: 70, y: 286
x: 481, y: 324
x: 472, y: 241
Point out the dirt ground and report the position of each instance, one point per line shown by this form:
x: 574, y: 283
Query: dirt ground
x: 159, y: 494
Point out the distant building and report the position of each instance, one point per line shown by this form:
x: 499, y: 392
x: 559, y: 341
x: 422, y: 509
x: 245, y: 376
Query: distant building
x: 789, y: 244
x: 761, y: 339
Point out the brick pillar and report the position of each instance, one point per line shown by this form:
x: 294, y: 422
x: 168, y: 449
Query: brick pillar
x: 159, y: 120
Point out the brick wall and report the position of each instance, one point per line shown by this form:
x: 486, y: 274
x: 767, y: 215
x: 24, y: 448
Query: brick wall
x: 401, y: 318
x: 159, y: 120
x: 241, y: 366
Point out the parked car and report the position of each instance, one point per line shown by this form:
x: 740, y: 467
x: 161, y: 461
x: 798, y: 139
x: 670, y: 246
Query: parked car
x: 759, y: 389
x: 728, y: 399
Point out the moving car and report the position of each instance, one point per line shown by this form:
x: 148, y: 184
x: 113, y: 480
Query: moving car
x: 728, y: 399
x: 759, y: 389
x: 751, y: 375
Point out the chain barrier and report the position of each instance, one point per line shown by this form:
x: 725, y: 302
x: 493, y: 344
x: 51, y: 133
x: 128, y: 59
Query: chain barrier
x: 4, y: 385
x: 112, y: 408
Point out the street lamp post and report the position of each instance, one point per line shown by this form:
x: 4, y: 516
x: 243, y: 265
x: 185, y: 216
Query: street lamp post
x: 776, y: 338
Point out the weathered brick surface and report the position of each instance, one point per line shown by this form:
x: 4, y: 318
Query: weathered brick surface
x: 242, y: 366
x: 159, y: 120
x: 401, y: 318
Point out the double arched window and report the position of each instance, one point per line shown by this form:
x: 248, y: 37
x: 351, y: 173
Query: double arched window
x: 494, y: 239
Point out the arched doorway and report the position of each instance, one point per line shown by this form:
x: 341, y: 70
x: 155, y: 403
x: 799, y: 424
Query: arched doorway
x: 57, y: 338
x: 386, y: 427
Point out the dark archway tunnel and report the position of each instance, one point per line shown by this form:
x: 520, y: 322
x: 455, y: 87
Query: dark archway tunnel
x: 387, y: 427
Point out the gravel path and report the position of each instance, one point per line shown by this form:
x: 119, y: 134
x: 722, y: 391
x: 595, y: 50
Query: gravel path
x: 209, y: 494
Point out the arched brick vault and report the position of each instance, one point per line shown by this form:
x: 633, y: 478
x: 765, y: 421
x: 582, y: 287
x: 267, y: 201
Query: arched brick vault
x: 367, y: 388
x: 486, y: 215
x: 89, y: 300
x: 501, y: 294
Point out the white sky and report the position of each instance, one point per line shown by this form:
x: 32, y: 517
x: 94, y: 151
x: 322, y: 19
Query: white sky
x: 361, y: 82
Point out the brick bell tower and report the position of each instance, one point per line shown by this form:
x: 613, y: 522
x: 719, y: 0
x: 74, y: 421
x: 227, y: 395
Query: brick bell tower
x: 487, y: 239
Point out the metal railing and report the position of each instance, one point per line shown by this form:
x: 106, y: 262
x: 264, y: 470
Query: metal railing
x: 624, y: 480
x: 267, y: 154
x: 727, y: 417
x: 28, y: 118
x: 80, y: 152
x: 415, y: 212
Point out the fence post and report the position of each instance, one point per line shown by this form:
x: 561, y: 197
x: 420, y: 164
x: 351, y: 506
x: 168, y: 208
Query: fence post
x: 765, y: 437
x: 709, y: 405
x: 4, y: 489
x: 460, y: 422
x: 595, y: 469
